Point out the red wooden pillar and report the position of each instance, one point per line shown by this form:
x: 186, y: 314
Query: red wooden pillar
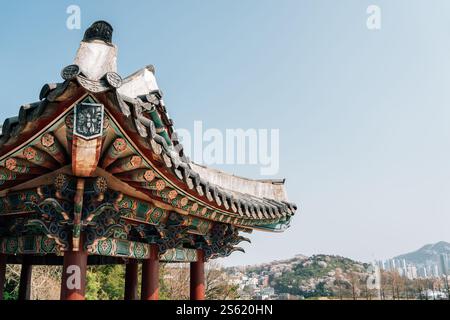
x: 150, y: 275
x: 2, y: 273
x: 131, y: 280
x: 25, y: 280
x: 197, y: 291
x: 73, y: 284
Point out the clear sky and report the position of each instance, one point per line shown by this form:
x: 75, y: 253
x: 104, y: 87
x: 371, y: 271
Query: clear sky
x: 363, y: 115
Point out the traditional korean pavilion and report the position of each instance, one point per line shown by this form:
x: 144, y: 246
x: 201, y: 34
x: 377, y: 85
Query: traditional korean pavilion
x: 93, y: 173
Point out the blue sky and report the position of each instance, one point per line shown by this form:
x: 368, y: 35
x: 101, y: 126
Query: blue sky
x: 363, y: 115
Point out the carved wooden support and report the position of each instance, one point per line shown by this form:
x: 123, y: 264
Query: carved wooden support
x: 78, y: 208
x: 114, y: 152
x: 23, y: 166
x: 39, y: 158
x: 100, y: 187
x: 142, y: 211
x: 157, y: 184
x: 85, y: 156
x: 52, y: 220
x: 52, y: 146
x: 125, y: 164
x: 69, y: 131
x: 139, y: 175
x: 61, y: 183
x: 7, y: 175
x: 220, y: 241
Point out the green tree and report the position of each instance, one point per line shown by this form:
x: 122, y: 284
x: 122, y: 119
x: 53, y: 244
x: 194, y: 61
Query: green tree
x: 105, y: 282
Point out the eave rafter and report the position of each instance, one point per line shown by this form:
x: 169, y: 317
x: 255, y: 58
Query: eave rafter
x: 160, y: 184
x: 174, y: 169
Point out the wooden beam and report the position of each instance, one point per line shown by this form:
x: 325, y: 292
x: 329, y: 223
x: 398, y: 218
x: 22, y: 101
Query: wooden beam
x: 53, y: 260
x: 73, y: 283
x: 125, y: 164
x: 2, y: 274
x: 139, y: 175
x: 72, y: 95
x: 38, y: 181
x: 53, y: 147
x: 116, y: 150
x: 197, y: 279
x: 39, y: 158
x: 156, y: 185
x: 131, y: 280
x: 23, y: 166
x: 85, y: 155
x: 25, y: 280
x: 150, y: 275
x: 77, y: 212
x: 7, y: 175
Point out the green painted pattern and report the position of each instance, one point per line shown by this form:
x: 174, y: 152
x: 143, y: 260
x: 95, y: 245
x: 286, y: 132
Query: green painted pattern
x: 143, y: 211
x: 31, y: 244
x: 120, y: 248
x: 138, y: 250
x: 16, y: 201
x: 179, y: 255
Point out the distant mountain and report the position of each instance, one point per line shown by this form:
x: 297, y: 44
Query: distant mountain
x: 320, y: 275
x: 429, y: 252
x: 316, y: 276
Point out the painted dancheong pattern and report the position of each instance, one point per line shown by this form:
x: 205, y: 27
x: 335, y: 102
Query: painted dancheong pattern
x: 96, y: 165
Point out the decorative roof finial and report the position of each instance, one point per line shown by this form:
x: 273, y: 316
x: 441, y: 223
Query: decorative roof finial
x: 99, y: 30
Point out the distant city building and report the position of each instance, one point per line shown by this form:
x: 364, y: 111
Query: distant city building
x: 432, y: 269
x: 423, y: 273
x: 443, y: 263
x: 436, y: 271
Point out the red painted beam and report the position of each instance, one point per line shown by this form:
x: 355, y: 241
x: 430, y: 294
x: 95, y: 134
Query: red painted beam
x: 2, y: 274
x: 25, y: 280
x: 197, y: 283
x: 131, y: 280
x: 73, y: 284
x: 150, y: 275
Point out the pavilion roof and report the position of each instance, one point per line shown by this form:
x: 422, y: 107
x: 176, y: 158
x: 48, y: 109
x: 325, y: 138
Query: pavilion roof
x: 140, y: 101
